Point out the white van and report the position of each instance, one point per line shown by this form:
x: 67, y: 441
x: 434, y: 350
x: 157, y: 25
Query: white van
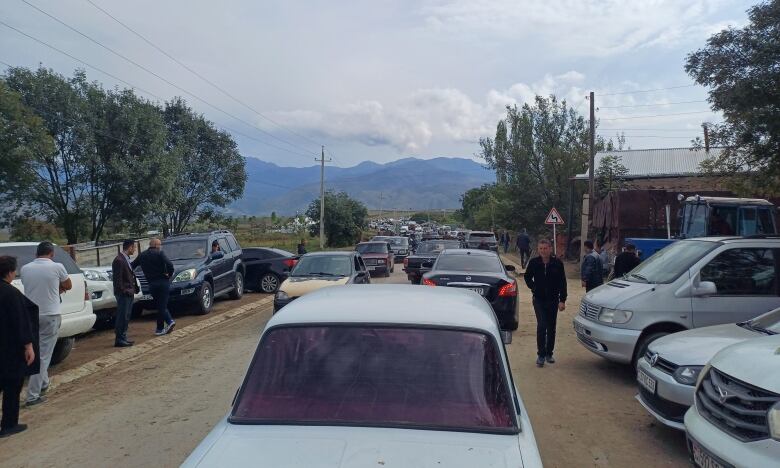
x: 77, y: 315
x: 689, y: 284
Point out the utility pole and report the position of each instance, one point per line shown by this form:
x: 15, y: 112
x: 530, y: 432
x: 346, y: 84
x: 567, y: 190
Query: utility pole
x: 381, y: 197
x: 706, y: 138
x: 322, y: 162
x: 591, y: 169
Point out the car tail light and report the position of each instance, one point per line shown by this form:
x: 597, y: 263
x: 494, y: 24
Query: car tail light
x: 406, y: 262
x: 290, y: 262
x: 508, y: 290
x: 86, y: 292
x: 428, y: 282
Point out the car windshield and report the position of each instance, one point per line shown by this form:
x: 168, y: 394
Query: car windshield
x: 374, y: 247
x: 485, y: 263
x: 323, y: 265
x: 669, y: 263
x: 26, y: 253
x: 399, y: 241
x: 768, y: 323
x: 481, y: 236
x: 436, y: 247
x: 184, y: 249
x: 377, y: 376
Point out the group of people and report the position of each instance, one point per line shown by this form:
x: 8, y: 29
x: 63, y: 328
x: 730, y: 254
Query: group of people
x: 522, y: 244
x: 595, y: 264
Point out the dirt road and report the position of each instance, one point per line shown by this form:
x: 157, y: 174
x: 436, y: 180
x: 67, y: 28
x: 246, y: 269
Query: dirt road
x: 155, y: 410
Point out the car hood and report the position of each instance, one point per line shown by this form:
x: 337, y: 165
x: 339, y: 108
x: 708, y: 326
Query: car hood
x: 347, y: 447
x: 755, y: 362
x: 696, y: 347
x: 616, y: 292
x: 298, y: 286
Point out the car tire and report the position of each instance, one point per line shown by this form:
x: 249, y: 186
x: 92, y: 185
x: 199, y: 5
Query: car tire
x: 205, y: 299
x: 137, y: 311
x: 238, y: 286
x: 269, y: 283
x: 61, y: 350
x: 641, y: 347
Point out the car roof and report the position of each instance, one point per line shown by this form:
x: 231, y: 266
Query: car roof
x: 373, y: 242
x: 729, y: 200
x: 378, y: 303
x: 18, y: 244
x: 474, y: 252
x: 736, y: 239
x: 481, y: 232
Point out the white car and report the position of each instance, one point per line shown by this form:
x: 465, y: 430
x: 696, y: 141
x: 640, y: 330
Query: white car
x: 101, y: 292
x: 344, y: 378
x: 77, y: 316
x: 668, y: 372
x: 736, y: 418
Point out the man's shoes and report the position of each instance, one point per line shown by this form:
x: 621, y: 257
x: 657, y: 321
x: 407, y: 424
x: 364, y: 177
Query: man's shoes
x: 122, y: 344
x: 37, y: 401
x: 540, y: 361
x: 160, y: 332
x: 44, y: 390
x: 169, y: 328
x: 550, y: 359
x: 13, y: 430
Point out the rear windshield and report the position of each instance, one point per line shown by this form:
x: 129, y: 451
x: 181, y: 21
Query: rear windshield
x: 185, y: 250
x: 26, y: 253
x: 376, y: 247
x: 669, y: 263
x: 399, y: 240
x: 481, y: 235
x: 469, y: 263
x: 323, y: 265
x: 376, y: 376
x: 436, y: 247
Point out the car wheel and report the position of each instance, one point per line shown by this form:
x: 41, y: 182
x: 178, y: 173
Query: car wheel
x: 205, y: 299
x: 269, y: 283
x: 641, y: 347
x: 62, y: 349
x: 238, y: 286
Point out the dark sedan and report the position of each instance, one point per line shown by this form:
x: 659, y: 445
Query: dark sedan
x: 426, y: 253
x: 482, y: 272
x: 267, y: 268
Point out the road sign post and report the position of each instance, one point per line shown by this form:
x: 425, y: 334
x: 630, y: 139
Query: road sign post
x: 554, y: 218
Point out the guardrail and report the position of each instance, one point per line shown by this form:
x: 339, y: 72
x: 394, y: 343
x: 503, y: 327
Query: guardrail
x: 86, y: 255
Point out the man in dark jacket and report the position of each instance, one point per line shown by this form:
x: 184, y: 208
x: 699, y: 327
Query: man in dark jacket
x: 546, y: 278
x: 17, y: 345
x: 523, y: 243
x: 158, y: 271
x: 626, y: 261
x: 125, y: 288
x: 591, y: 271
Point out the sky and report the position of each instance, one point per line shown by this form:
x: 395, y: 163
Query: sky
x: 384, y: 79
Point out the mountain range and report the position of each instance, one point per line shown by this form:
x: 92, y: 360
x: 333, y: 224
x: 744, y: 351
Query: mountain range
x: 409, y: 183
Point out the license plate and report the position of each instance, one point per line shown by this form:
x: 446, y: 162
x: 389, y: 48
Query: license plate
x: 371, y: 268
x: 646, y: 381
x: 702, y: 458
x: 146, y: 297
x: 480, y: 291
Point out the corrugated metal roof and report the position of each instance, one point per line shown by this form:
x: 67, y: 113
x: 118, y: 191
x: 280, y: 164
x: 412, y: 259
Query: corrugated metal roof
x: 663, y: 162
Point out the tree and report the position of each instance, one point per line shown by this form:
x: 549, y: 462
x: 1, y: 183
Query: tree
x: 345, y: 218
x: 740, y: 66
x: 610, y: 175
x: 209, y: 172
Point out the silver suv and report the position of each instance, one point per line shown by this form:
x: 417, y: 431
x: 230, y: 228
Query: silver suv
x: 689, y: 284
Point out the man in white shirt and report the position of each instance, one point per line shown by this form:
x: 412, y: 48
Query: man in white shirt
x: 44, y: 281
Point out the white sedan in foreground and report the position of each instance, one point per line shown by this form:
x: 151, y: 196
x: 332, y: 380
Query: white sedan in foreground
x: 344, y: 378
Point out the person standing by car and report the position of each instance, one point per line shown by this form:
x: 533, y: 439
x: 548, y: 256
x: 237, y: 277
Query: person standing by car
x: 44, y: 281
x: 590, y: 271
x: 17, y: 350
x: 523, y: 243
x: 158, y: 271
x: 302, y: 247
x: 125, y: 287
x: 626, y: 261
x: 505, y: 241
x: 546, y: 279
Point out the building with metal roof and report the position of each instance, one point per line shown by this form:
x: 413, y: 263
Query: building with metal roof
x: 658, y: 163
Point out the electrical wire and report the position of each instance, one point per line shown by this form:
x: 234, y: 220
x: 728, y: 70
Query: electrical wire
x: 647, y: 90
x: 151, y: 72
x: 650, y: 129
x: 652, y: 105
x: 659, y: 115
x: 211, y: 83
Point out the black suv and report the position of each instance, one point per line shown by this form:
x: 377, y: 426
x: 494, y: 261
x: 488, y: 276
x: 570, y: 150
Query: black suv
x: 201, y: 274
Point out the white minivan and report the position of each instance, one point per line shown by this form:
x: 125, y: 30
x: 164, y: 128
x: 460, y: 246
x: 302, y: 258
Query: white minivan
x: 77, y: 315
x: 689, y: 284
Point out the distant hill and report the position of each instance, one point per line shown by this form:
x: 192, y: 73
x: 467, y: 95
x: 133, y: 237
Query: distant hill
x: 410, y: 183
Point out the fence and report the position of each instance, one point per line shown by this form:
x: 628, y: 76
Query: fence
x: 90, y: 255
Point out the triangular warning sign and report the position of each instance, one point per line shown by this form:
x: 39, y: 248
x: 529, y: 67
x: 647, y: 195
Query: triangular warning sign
x: 554, y: 217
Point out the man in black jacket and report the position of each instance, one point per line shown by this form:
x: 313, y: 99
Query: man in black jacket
x: 158, y: 271
x: 546, y: 278
x: 17, y: 342
x: 125, y: 288
x: 626, y: 261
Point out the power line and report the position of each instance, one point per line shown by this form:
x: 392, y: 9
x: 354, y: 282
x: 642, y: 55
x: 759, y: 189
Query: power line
x: 98, y: 69
x: 647, y: 90
x: 652, y: 136
x: 123, y: 57
x: 653, y: 105
x: 659, y: 115
x: 223, y: 91
x: 651, y: 129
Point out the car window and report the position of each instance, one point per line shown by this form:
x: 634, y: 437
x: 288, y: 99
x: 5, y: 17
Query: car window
x: 723, y: 221
x: 486, y: 263
x: 324, y: 265
x: 695, y: 220
x: 362, y: 264
x: 232, y: 242
x: 435, y: 247
x: 357, y: 263
x: 223, y: 245
x: 377, y: 376
x: 186, y: 249
x: 26, y: 253
x: 669, y: 263
x: 764, y: 225
x: 743, y: 272
x: 374, y: 247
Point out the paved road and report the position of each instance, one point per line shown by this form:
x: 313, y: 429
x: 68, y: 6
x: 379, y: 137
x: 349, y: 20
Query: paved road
x: 155, y: 410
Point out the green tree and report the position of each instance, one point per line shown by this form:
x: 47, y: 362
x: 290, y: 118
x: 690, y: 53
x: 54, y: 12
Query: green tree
x: 740, y: 66
x: 610, y: 175
x: 345, y: 218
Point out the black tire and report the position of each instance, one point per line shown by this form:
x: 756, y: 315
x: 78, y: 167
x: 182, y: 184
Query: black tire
x: 641, y: 347
x: 268, y: 283
x: 205, y: 299
x: 137, y: 311
x: 61, y: 350
x: 238, y: 286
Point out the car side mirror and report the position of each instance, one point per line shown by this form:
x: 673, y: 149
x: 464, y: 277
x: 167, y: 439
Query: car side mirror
x: 704, y: 289
x: 510, y: 267
x: 217, y: 255
x: 427, y: 264
x: 506, y: 337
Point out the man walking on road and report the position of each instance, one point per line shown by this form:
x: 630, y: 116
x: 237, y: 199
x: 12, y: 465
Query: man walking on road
x: 158, y: 271
x: 591, y: 270
x: 626, y: 261
x: 44, y: 281
x: 523, y: 243
x: 546, y: 278
x: 125, y: 287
